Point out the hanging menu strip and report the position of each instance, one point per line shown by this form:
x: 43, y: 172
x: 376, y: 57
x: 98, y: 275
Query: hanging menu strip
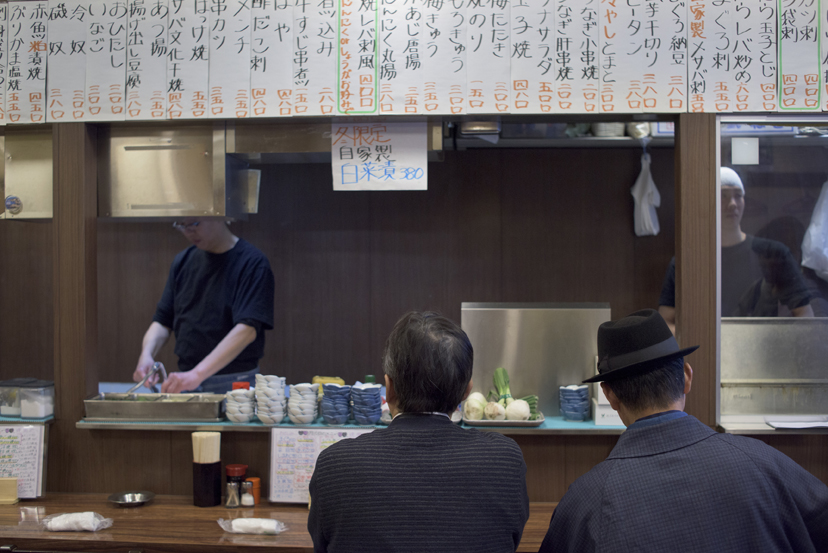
x: 4, y: 10
x: 21, y: 457
x: 106, y: 60
x: 110, y: 60
x: 489, y: 49
x: 146, y: 79
x: 271, y: 68
x: 188, y: 57
x: 754, y: 56
x: 26, y: 68
x: 799, y: 56
x: 67, y: 55
x: 357, y: 67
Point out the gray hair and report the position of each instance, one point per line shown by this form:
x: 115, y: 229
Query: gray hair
x: 429, y: 358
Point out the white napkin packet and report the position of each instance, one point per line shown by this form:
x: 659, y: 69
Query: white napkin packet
x: 252, y: 526
x: 76, y: 522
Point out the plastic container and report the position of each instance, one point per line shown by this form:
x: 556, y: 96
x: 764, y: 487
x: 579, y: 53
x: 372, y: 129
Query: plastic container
x: 256, y: 488
x: 10, y: 396
x: 37, y: 399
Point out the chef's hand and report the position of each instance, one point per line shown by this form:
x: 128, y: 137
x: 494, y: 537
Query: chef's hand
x: 145, y: 363
x: 181, y: 382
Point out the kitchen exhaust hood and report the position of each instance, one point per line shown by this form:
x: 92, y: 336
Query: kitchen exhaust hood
x: 152, y: 171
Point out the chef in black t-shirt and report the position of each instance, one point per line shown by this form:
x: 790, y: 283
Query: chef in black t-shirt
x: 758, y: 275
x: 218, y: 301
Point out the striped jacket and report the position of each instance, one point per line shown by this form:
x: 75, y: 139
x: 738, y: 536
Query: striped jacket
x: 421, y: 485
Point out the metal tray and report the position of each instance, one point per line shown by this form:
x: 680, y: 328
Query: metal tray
x: 155, y: 407
x: 504, y: 423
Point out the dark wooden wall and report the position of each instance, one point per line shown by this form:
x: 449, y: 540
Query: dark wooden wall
x: 495, y: 225
x: 26, y: 314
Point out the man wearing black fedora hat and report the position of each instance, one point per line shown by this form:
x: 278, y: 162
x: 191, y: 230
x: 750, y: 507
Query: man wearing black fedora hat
x: 671, y: 483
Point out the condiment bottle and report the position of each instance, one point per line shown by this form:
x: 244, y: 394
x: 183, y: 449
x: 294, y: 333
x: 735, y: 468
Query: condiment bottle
x: 232, y: 499
x: 236, y: 473
x: 247, y: 494
x: 256, y: 483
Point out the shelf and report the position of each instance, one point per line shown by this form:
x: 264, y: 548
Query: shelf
x: 752, y: 425
x: 19, y: 420
x: 552, y: 425
x: 584, y: 142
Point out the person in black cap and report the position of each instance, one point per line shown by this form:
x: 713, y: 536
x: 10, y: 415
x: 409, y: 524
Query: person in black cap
x: 671, y: 483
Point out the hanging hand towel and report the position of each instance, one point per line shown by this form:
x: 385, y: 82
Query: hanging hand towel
x: 646, y: 198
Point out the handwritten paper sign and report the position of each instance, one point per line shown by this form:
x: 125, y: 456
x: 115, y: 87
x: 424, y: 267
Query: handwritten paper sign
x: 146, y: 81
x: 271, y: 68
x: 576, y: 39
x: 379, y: 156
x: 293, y: 454
x: 106, y: 40
x: 26, y: 66
x: 489, y: 51
x: 67, y: 54
x: 4, y: 10
x: 21, y: 457
x: 799, y: 56
x: 229, y: 58
x: 754, y: 56
x: 357, y: 67
x: 188, y: 60
x: 445, y: 59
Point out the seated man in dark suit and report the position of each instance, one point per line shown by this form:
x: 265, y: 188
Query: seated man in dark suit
x: 673, y: 484
x: 423, y: 484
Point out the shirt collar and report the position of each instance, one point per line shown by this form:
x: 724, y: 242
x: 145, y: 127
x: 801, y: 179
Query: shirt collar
x: 657, y: 418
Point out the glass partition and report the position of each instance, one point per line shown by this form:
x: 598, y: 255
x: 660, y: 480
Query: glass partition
x: 773, y: 290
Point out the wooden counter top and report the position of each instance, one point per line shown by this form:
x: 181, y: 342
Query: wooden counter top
x: 171, y: 524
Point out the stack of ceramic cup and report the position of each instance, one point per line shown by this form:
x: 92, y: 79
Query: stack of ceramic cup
x: 302, y: 403
x: 270, y: 398
x: 336, y: 403
x: 366, y: 403
x: 239, y: 405
x: 574, y: 402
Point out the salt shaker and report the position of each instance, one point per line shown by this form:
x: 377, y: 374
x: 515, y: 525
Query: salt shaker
x: 247, y: 496
x: 232, y: 499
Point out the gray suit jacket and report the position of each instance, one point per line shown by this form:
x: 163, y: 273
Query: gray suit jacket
x: 680, y: 486
x: 421, y: 485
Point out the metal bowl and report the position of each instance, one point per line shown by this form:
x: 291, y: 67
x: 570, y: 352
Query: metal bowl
x: 131, y: 499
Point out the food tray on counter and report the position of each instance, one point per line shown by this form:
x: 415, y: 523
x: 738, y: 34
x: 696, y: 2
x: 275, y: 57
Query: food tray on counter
x: 483, y: 422
x: 155, y: 407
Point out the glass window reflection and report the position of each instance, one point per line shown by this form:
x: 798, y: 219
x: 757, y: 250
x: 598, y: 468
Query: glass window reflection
x: 766, y: 208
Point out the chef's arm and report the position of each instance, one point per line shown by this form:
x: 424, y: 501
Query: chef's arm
x: 804, y: 311
x: 154, y: 339
x: 239, y: 337
x: 669, y: 315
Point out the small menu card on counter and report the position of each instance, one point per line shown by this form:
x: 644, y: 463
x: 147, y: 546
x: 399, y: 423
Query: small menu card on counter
x: 293, y: 454
x: 21, y: 456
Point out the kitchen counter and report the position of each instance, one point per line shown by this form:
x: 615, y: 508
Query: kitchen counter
x: 551, y: 425
x: 171, y: 524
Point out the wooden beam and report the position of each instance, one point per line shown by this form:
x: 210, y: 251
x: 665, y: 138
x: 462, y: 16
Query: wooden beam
x: 696, y: 256
x: 74, y: 254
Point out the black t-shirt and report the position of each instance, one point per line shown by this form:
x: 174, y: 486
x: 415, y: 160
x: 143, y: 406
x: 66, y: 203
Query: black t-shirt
x: 757, y: 274
x: 208, y: 294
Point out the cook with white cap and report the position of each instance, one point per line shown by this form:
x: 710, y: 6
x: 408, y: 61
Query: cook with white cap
x: 758, y: 275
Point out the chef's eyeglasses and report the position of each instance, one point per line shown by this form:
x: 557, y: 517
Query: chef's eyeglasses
x: 178, y: 225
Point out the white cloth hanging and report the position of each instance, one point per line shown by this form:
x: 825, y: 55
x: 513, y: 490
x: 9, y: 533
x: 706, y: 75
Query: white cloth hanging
x: 647, y: 198
x: 815, y: 244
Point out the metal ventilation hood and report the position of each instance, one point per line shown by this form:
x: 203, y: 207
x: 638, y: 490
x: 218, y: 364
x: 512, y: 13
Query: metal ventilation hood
x: 152, y: 171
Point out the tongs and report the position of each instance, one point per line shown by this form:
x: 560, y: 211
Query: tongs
x: 156, y: 367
